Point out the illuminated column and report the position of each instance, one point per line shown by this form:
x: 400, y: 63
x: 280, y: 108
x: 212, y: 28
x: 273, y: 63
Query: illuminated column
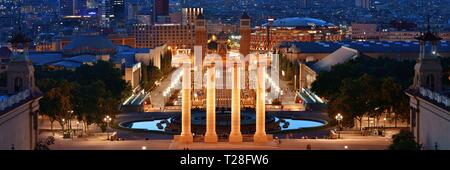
x: 210, y: 135
x: 260, y: 134
x: 186, y: 134
x: 235, y: 134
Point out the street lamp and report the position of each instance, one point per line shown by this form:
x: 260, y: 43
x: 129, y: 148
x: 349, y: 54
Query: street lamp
x: 78, y: 123
x: 295, y: 83
x: 269, y: 25
x: 281, y: 95
x: 339, y: 118
x: 107, y: 119
x: 69, y: 124
x: 63, y: 125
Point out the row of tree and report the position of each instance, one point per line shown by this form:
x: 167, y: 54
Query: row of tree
x: 152, y: 74
x: 87, y: 94
x: 366, y: 87
x: 288, y: 69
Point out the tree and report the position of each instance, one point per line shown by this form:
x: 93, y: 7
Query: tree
x: 350, y: 102
x: 290, y: 68
x: 56, y: 89
x: 366, y: 84
x: 404, y: 141
x: 58, y: 103
x: 104, y: 89
x: 152, y: 74
x: 46, y: 108
x: 86, y: 106
x: 394, y: 100
x: 166, y: 62
x: 372, y: 96
x: 91, y: 91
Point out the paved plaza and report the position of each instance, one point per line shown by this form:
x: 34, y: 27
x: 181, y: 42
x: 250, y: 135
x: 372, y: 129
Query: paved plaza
x: 100, y: 143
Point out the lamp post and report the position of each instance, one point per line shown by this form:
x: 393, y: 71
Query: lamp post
x: 295, y: 83
x: 281, y: 96
x: 339, y: 118
x: 107, y: 119
x: 78, y: 123
x: 269, y: 25
x: 69, y: 124
x: 63, y: 125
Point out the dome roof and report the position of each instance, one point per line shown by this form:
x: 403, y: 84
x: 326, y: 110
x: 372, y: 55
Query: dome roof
x: 300, y: 22
x: 89, y: 44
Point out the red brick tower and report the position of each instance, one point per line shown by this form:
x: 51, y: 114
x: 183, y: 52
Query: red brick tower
x: 245, y: 32
x: 201, y: 36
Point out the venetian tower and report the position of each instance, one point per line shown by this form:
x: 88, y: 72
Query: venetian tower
x: 245, y: 32
x: 201, y: 36
x: 428, y: 69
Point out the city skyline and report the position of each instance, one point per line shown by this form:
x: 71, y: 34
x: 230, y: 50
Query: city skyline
x: 231, y: 75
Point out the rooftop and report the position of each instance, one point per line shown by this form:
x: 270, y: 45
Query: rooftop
x: 89, y: 44
x: 300, y: 22
x: 341, y: 55
x: 364, y: 46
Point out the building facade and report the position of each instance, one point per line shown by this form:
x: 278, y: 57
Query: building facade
x: 429, y: 102
x: 364, y: 31
x: 294, y: 29
x: 19, y: 105
x: 174, y: 35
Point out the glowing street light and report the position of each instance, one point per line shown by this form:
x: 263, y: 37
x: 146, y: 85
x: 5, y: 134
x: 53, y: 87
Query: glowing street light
x: 69, y: 123
x: 78, y: 123
x: 107, y: 119
x: 339, y: 118
x: 63, y: 124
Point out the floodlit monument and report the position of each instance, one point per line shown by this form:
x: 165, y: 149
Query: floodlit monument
x: 235, y: 134
x: 217, y: 82
x: 260, y: 134
x: 186, y: 134
x: 211, y: 135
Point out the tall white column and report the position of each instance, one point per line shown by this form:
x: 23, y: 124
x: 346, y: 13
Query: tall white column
x: 235, y: 134
x: 186, y: 134
x: 211, y: 135
x: 260, y: 134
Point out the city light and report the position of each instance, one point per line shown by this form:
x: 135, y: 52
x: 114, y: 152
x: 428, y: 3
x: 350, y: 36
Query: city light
x: 173, y: 83
x: 162, y: 74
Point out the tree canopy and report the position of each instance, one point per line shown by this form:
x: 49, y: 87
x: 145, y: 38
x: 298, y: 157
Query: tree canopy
x: 91, y: 91
x: 404, y: 141
x: 366, y: 86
